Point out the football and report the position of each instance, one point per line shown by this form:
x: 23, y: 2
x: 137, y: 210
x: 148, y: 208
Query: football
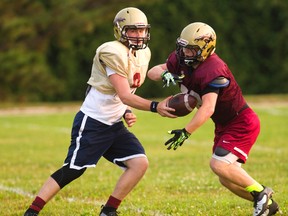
x: 182, y: 103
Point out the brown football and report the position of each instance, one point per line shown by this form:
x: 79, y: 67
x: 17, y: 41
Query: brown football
x: 182, y: 103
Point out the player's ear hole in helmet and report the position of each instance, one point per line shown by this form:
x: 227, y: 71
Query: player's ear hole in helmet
x: 133, y: 19
x: 200, y: 39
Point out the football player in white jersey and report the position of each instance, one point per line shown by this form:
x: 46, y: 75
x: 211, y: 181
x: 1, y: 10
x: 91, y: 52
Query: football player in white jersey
x: 119, y: 68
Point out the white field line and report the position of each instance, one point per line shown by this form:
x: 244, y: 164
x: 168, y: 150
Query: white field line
x: 16, y: 191
x: 19, y: 191
x: 37, y: 127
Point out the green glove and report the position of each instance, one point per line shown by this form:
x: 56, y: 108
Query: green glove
x: 180, y: 135
x: 168, y: 77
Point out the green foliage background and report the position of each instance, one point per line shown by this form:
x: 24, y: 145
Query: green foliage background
x: 47, y: 46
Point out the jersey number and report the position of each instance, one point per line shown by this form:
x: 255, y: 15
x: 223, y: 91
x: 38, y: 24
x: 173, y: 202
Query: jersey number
x: 136, y: 80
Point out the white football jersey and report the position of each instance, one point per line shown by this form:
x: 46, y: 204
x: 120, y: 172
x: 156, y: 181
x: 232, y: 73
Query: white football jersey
x: 102, y: 103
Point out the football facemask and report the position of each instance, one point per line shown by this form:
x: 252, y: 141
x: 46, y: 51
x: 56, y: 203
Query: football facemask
x: 136, y: 42
x: 187, y: 60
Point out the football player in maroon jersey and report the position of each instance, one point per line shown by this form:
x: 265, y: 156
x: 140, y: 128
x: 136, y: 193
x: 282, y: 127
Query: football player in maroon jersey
x: 199, y: 71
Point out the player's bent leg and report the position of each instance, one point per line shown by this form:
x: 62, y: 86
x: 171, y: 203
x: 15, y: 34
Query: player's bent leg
x: 57, y: 181
x: 136, y: 169
x: 237, y: 190
x: 51, y: 187
x: 233, y: 177
x: 237, y: 180
x: 224, y: 164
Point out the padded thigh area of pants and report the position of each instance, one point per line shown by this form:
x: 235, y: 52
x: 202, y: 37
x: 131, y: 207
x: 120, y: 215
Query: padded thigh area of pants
x: 221, y: 152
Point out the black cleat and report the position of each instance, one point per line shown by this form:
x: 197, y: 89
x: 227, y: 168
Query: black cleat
x: 30, y: 212
x: 261, y: 200
x: 108, y: 211
x: 272, y: 209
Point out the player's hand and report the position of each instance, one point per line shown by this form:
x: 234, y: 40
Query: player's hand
x: 130, y: 118
x: 180, y: 135
x: 164, y: 110
x: 168, y: 77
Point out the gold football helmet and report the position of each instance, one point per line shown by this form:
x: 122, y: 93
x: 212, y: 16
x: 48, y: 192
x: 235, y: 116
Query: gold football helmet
x: 131, y: 18
x: 200, y: 38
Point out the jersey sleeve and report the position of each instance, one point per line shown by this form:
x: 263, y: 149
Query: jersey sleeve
x: 172, y: 63
x: 216, y: 84
x: 219, y: 82
x: 115, y: 59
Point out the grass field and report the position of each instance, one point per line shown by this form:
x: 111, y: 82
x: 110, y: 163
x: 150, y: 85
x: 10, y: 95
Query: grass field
x: 34, y: 143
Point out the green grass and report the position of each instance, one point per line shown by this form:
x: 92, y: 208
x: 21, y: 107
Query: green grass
x: 33, y: 145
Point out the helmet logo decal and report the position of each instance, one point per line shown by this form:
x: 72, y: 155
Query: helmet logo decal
x: 119, y: 20
x: 182, y: 42
x: 206, y: 38
x: 116, y: 22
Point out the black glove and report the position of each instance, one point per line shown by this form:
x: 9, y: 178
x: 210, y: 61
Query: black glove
x: 168, y: 77
x: 180, y: 136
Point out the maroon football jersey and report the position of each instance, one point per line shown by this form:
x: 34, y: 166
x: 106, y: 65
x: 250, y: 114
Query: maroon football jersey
x: 230, y: 99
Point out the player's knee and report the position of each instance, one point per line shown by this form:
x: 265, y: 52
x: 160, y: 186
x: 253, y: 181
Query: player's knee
x: 140, y: 164
x: 65, y: 175
x: 220, y: 155
x: 144, y: 164
x: 213, y: 165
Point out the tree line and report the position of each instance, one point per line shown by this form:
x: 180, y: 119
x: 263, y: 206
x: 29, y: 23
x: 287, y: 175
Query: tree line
x: 47, y: 46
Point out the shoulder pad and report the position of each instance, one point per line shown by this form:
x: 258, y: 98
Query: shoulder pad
x: 219, y: 82
x: 114, y: 55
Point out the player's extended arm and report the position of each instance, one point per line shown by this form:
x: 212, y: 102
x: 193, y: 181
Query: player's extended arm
x: 203, y: 113
x: 207, y: 108
x: 200, y: 117
x: 159, y: 72
x: 123, y: 90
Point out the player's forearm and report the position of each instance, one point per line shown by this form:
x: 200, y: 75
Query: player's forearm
x: 200, y: 117
x: 136, y: 102
x: 155, y: 72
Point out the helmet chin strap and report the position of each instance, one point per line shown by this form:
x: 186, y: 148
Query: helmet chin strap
x: 130, y: 46
x: 189, y: 62
x: 192, y: 62
x: 137, y: 44
x: 133, y: 45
